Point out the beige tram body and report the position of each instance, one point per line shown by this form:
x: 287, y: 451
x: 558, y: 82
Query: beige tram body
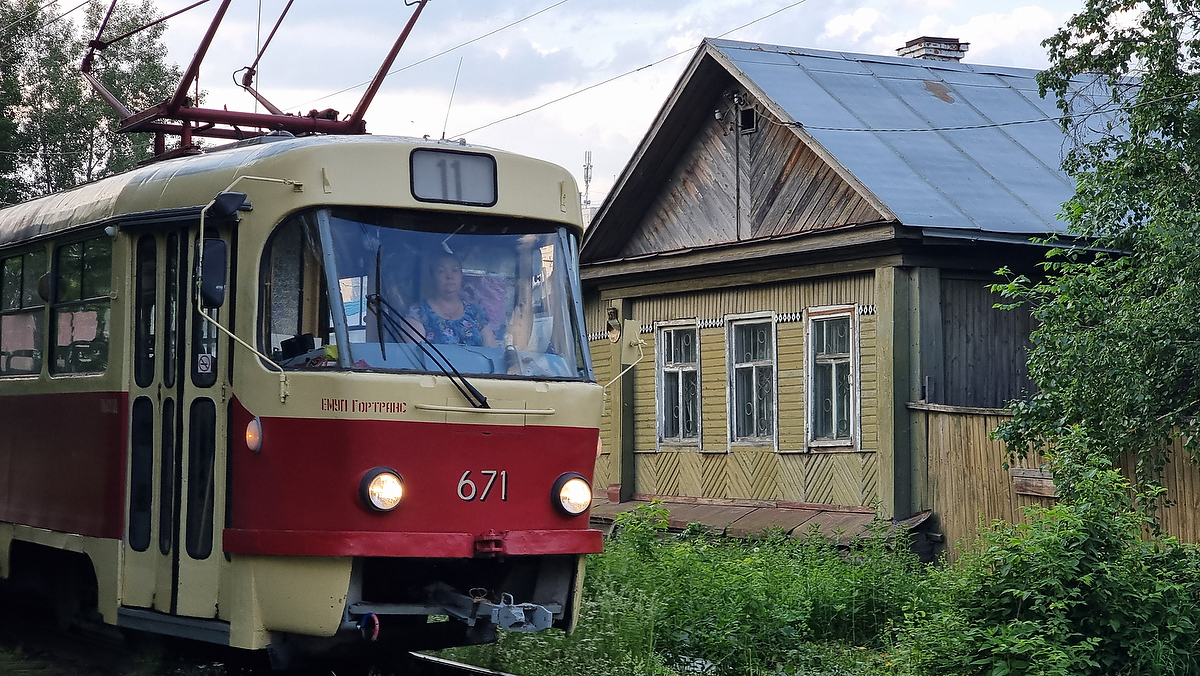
x: 256, y: 595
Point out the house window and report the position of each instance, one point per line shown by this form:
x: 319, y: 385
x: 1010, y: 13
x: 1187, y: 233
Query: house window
x: 831, y: 407
x: 752, y: 380
x: 678, y: 384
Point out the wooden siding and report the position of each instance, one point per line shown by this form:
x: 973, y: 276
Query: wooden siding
x: 606, y: 466
x: 714, y: 468
x: 969, y: 486
x: 967, y: 482
x: 984, y: 348
x: 783, y: 188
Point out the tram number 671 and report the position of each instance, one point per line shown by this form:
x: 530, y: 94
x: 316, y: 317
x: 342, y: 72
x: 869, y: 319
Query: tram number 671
x: 467, y: 489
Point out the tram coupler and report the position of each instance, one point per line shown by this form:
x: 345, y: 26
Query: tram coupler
x: 507, y: 614
x: 512, y: 616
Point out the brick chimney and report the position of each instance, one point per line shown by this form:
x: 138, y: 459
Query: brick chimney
x: 934, y: 49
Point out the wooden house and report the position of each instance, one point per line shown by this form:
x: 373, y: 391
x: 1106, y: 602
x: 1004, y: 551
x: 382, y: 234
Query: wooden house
x: 804, y: 242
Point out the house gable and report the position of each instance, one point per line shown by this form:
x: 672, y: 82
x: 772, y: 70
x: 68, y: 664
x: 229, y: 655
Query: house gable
x: 730, y: 186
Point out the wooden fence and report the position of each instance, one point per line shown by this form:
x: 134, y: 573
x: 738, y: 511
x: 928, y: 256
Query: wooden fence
x: 966, y: 483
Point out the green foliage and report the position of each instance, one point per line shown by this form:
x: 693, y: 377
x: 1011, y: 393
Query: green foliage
x: 1077, y: 591
x: 1116, y: 351
x: 56, y: 131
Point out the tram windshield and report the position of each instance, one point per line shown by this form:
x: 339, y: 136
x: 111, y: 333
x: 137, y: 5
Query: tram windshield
x: 417, y: 291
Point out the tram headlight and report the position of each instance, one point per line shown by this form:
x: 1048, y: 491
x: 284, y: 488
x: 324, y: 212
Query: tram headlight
x: 381, y: 489
x: 254, y: 434
x: 572, y: 494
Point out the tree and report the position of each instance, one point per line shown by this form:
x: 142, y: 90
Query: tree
x: 1116, y: 351
x: 65, y: 134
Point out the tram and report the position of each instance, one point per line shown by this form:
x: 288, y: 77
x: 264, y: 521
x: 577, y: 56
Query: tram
x: 314, y: 395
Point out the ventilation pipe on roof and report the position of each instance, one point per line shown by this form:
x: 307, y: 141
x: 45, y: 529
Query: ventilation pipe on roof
x: 934, y: 49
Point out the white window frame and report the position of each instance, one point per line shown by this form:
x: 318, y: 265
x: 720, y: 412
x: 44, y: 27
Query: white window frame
x: 732, y: 321
x: 659, y: 408
x: 811, y: 316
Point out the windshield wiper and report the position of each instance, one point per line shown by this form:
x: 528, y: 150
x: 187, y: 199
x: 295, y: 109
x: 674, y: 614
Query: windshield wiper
x: 386, y: 316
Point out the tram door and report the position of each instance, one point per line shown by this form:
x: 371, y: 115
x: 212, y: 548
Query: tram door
x: 177, y: 433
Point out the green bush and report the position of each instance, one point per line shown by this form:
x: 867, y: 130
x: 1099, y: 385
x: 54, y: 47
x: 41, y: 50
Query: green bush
x: 1079, y: 590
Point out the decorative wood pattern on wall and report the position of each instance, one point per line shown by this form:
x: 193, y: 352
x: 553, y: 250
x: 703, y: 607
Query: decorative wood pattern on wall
x: 984, y: 348
x: 783, y: 188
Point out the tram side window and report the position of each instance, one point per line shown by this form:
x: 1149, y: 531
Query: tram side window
x: 146, y: 307
x: 83, y: 275
x: 296, y: 317
x: 205, y: 342
x: 22, y: 314
x: 201, y: 458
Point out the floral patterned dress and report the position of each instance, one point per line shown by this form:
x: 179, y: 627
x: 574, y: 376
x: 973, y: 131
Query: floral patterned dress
x: 466, y: 330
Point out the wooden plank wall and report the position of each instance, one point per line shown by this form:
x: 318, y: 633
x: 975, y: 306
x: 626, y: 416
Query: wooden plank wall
x: 984, y: 348
x: 720, y: 470
x: 968, y: 484
x: 783, y: 188
x: 1181, y: 478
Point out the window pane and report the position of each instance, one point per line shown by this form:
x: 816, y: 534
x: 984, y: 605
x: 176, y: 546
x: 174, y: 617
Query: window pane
x: 742, y: 343
x: 166, y: 480
x: 685, y: 345
x: 21, y: 339
x: 141, y: 473
x: 764, y: 401
x: 69, y: 269
x: 842, y: 377
x: 743, y: 398
x: 670, y: 404
x: 97, y: 267
x: 839, y: 334
x: 35, y: 267
x: 146, y: 303
x: 286, y: 284
x: 10, y: 296
x: 822, y: 401
x: 81, y: 338
x: 171, y: 330
x: 204, y: 349
x: 690, y: 405
x: 201, y: 456
x: 831, y: 336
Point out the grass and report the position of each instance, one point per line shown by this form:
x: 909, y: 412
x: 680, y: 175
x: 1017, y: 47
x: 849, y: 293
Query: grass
x: 698, y: 603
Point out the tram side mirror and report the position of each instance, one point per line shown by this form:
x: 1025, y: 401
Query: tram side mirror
x: 227, y: 204
x: 212, y: 274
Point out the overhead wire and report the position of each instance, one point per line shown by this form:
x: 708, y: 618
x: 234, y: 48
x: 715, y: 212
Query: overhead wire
x: 434, y: 56
x: 33, y: 13
x: 626, y: 73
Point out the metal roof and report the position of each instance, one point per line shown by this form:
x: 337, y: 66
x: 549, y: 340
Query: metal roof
x: 936, y: 173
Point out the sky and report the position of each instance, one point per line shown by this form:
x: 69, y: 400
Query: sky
x: 323, y: 47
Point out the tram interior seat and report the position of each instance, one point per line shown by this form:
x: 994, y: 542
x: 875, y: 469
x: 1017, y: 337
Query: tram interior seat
x: 86, y: 355
x: 20, y: 361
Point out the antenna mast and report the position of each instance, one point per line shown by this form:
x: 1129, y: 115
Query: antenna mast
x: 180, y: 116
x: 587, y: 178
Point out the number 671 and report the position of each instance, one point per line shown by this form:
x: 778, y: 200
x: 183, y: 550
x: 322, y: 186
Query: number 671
x: 467, y: 489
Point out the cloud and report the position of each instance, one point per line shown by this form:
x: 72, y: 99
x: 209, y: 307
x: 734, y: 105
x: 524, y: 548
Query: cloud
x: 853, y: 25
x: 1011, y: 39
